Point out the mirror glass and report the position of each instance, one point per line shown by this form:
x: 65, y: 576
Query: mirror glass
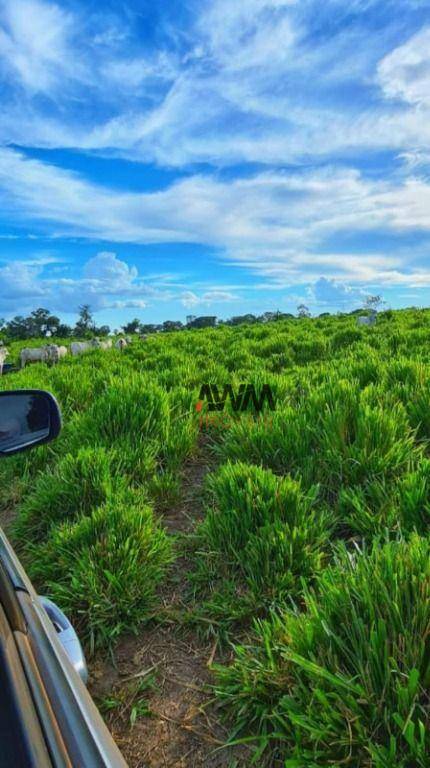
x: 24, y: 419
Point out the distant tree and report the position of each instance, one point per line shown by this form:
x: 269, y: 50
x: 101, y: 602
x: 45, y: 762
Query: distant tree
x: 303, y: 311
x: 284, y: 316
x: 147, y: 328
x: 18, y: 327
x: 267, y: 317
x: 64, y: 331
x: 206, y: 321
x: 373, y: 303
x: 132, y: 327
x: 85, y: 325
x: 240, y: 319
x: 40, y: 321
x: 172, y: 325
x: 102, y: 330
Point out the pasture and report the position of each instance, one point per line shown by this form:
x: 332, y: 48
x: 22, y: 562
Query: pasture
x: 292, y: 551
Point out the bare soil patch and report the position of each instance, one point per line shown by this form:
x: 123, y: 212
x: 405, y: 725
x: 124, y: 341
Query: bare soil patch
x: 181, y: 726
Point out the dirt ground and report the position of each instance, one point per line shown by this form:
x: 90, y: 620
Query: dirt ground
x: 167, y: 667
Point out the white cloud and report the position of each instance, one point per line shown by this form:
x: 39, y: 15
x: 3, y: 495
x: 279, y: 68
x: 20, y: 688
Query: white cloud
x: 333, y: 293
x: 266, y: 81
x: 34, y: 44
x: 253, y: 84
x: 129, y: 304
x: 274, y: 222
x: 240, y: 36
x: 107, y: 269
x: 106, y: 282
x: 19, y: 280
x: 104, y: 277
x: 190, y: 299
x: 405, y: 72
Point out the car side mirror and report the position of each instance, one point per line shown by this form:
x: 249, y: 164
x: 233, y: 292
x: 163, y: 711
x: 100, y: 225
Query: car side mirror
x: 28, y: 417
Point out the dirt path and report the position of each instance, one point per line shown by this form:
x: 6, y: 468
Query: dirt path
x: 165, y: 670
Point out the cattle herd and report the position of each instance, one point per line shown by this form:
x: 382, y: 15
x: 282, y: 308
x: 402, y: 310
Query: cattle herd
x: 53, y: 353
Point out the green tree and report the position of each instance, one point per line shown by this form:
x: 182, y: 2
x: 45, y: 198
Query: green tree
x: 374, y: 302
x: 172, y: 325
x: 102, y: 330
x: 85, y: 325
x: 18, y: 328
x: 132, y: 327
x: 303, y: 311
x: 42, y: 321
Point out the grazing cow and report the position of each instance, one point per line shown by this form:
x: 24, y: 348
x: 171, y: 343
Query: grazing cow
x: 121, y: 344
x: 98, y: 344
x: 55, y: 353
x: 62, y: 352
x: 34, y: 355
x: 3, y: 355
x: 366, y: 320
x: 78, y: 347
x: 143, y: 336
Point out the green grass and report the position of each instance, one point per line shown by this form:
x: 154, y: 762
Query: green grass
x: 104, y: 569
x: 312, y: 557
x: 346, y: 680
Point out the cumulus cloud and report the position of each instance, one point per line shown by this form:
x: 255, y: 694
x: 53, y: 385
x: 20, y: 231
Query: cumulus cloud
x: 106, y: 282
x: 104, y: 277
x: 106, y: 268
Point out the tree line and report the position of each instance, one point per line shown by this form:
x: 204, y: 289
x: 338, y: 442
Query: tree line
x: 41, y: 322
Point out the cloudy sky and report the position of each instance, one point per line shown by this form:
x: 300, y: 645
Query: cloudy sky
x: 212, y: 156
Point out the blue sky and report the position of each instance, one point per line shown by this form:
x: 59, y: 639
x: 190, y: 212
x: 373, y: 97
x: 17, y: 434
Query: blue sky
x: 213, y: 157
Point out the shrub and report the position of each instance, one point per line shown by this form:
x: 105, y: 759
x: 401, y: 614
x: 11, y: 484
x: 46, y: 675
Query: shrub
x: 265, y: 528
x: 346, y: 681
x: 345, y: 338
x: 104, y: 569
x: 76, y: 486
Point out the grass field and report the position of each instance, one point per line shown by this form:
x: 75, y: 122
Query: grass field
x: 312, y: 553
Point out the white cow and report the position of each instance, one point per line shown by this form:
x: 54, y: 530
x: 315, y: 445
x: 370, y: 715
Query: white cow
x: 55, y: 353
x: 34, y: 355
x: 79, y: 347
x: 366, y: 320
x: 3, y: 355
x: 121, y: 344
x: 97, y: 344
x: 62, y: 352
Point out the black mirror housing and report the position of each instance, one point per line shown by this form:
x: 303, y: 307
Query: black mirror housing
x: 28, y: 417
